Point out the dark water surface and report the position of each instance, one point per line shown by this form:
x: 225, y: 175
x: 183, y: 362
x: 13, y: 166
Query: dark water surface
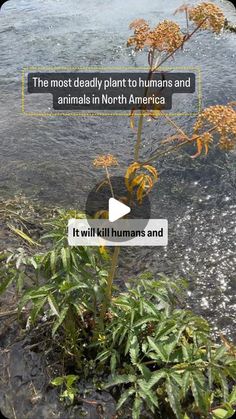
x: 51, y: 158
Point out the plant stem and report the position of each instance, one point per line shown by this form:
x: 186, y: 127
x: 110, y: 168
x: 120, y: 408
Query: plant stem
x: 139, y: 138
x: 175, y: 126
x: 113, y: 265
x: 109, y: 181
x: 112, y: 272
x: 110, y: 279
x: 115, y: 256
x: 175, y: 147
x: 140, y: 123
x: 150, y: 74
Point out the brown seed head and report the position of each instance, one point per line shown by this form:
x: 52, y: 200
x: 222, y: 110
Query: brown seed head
x: 141, y: 30
x: 223, y: 119
x: 210, y: 13
x: 106, y: 160
x: 165, y: 37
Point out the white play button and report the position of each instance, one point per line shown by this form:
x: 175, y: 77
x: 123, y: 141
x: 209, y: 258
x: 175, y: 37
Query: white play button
x: 117, y: 210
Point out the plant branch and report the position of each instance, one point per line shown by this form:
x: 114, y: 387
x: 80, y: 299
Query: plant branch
x: 174, y: 148
x: 150, y: 74
x: 109, y: 181
x: 110, y: 279
x: 186, y: 38
x: 141, y: 117
x: 175, y: 126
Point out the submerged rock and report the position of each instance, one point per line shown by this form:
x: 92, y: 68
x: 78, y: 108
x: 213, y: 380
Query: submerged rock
x: 25, y: 390
x: 229, y: 26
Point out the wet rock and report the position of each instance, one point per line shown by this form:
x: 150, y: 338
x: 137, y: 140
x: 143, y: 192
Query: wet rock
x: 229, y: 26
x: 25, y: 390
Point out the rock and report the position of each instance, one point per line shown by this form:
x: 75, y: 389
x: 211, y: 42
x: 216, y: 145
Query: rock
x: 25, y: 391
x: 229, y: 26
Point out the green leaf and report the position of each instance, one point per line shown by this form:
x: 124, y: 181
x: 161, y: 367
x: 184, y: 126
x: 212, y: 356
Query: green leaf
x: 186, y: 382
x: 222, y: 413
x: 53, y: 260
x: 149, y: 307
x: 137, y: 406
x: 146, y: 319
x: 128, y: 342
x: 156, y: 377
x: 232, y: 397
x: 220, y: 352
x: 68, y: 393
x: 113, y: 363
x: 116, y: 331
x: 198, y: 391
x: 53, y: 305
x: 6, y: 283
x: 165, y: 330
x: 170, y: 346
x: 125, y: 396
x: 121, y: 379
x: 176, y: 377
x: 38, y: 305
x: 33, y: 262
x: 144, y: 371
x: 158, y: 349
x: 60, y: 320
x: 186, y: 351
x: 224, y: 384
x: 174, y: 398
x: 102, y: 356
x: 148, y: 395
x: 33, y: 294
x: 134, y: 350
x: 64, y: 258
x: 70, y: 379
x: 122, y: 336
x: 58, y: 381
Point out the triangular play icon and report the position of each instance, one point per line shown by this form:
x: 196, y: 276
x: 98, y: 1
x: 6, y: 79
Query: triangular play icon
x: 117, y: 210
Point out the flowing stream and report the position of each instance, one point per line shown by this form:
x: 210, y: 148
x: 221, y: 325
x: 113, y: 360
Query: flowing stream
x: 50, y: 158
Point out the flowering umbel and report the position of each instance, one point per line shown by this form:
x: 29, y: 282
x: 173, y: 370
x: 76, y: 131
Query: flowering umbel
x: 141, y: 31
x: 210, y: 14
x: 219, y: 119
x: 166, y: 36
x: 104, y: 161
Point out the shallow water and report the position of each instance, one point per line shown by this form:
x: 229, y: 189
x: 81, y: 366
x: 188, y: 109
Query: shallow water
x: 50, y: 158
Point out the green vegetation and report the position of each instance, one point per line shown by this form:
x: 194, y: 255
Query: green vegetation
x: 150, y: 351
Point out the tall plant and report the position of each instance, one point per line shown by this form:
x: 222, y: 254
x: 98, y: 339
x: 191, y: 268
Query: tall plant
x: 159, y: 356
x: 214, y: 124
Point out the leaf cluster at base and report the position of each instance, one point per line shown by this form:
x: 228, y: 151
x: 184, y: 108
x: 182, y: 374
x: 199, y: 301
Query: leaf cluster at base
x: 153, y: 354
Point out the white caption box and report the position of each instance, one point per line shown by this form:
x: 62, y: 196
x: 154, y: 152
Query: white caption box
x: 125, y: 232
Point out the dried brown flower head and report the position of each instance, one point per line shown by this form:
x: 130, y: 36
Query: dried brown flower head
x: 220, y: 119
x: 164, y: 37
x: 226, y: 144
x: 104, y: 161
x: 141, y: 30
x: 210, y: 13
